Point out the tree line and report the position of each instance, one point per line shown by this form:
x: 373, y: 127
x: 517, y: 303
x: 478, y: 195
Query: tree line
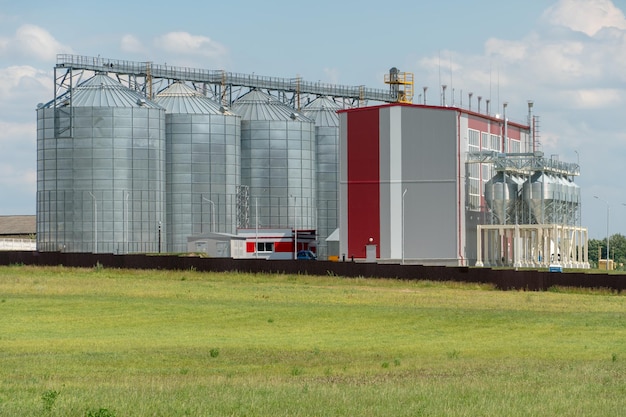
x: 617, y: 247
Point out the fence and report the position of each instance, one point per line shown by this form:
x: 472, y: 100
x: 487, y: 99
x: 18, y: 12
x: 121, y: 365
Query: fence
x: 530, y: 280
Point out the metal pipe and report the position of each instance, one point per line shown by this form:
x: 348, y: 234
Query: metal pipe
x: 95, y: 223
x: 506, y: 130
x: 608, y: 245
x: 212, y: 213
x: 256, y: 234
x: 126, y: 195
x: 531, y: 133
x: 295, y: 228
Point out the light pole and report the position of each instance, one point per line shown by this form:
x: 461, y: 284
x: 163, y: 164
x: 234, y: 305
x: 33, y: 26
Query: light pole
x: 608, y: 211
x: 95, y: 223
x: 403, y: 194
x: 580, y: 208
x: 159, y: 236
x: 126, y: 194
x: 256, y: 226
x: 212, y: 213
x: 295, y: 228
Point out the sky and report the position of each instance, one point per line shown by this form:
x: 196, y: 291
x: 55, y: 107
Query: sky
x: 567, y: 56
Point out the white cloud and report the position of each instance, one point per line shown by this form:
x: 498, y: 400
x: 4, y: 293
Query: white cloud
x: 15, y: 76
x: 184, y: 43
x: 586, y: 16
x: 511, y: 51
x: 578, y: 71
x: 130, y: 43
x: 17, y: 163
x: 30, y: 41
x: 21, y: 88
x: 593, y: 98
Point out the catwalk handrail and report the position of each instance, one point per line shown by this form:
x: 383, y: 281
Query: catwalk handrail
x: 524, y: 163
x: 221, y: 77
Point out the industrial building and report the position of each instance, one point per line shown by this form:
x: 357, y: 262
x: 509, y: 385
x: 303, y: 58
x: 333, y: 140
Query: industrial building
x: 138, y: 157
x: 439, y: 185
x: 17, y: 233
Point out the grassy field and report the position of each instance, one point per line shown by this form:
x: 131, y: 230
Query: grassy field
x: 103, y: 342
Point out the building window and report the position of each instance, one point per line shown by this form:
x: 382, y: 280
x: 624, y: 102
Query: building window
x: 484, y: 141
x: 265, y: 247
x: 495, y: 143
x: 515, y: 146
x: 474, y: 138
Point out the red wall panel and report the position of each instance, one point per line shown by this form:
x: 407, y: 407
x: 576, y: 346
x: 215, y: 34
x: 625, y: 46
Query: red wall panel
x: 476, y: 123
x: 363, y: 158
x: 514, y: 132
x: 283, y: 247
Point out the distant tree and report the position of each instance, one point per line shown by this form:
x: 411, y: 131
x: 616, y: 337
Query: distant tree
x: 594, y: 244
x: 617, y: 247
x: 618, y: 250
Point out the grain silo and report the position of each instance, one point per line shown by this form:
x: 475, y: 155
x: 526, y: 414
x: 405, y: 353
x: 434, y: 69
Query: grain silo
x: 323, y: 111
x: 100, y: 170
x: 203, y: 165
x: 541, y: 194
x: 501, y: 195
x: 277, y: 161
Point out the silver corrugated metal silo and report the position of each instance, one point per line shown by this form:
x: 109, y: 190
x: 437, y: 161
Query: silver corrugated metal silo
x: 540, y: 194
x: 323, y: 111
x: 501, y: 195
x: 203, y: 165
x: 277, y: 161
x: 100, y: 170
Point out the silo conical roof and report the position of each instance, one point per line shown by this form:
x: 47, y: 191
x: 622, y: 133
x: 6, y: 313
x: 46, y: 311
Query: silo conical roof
x: 257, y: 105
x: 180, y: 98
x: 323, y: 111
x: 103, y: 91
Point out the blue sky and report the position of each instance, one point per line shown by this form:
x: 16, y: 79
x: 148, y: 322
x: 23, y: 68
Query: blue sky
x: 568, y: 56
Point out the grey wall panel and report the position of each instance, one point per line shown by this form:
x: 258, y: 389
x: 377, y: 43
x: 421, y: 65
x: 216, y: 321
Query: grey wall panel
x: 429, y: 143
x: 429, y: 168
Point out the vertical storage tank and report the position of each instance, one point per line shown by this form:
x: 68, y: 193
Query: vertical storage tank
x: 540, y: 193
x: 277, y: 161
x: 202, y: 164
x: 501, y: 195
x: 100, y: 170
x: 323, y: 111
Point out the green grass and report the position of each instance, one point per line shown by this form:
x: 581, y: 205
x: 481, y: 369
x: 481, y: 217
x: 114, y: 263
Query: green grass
x: 103, y: 342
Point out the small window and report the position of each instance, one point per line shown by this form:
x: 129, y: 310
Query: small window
x: 474, y: 138
x: 265, y: 247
